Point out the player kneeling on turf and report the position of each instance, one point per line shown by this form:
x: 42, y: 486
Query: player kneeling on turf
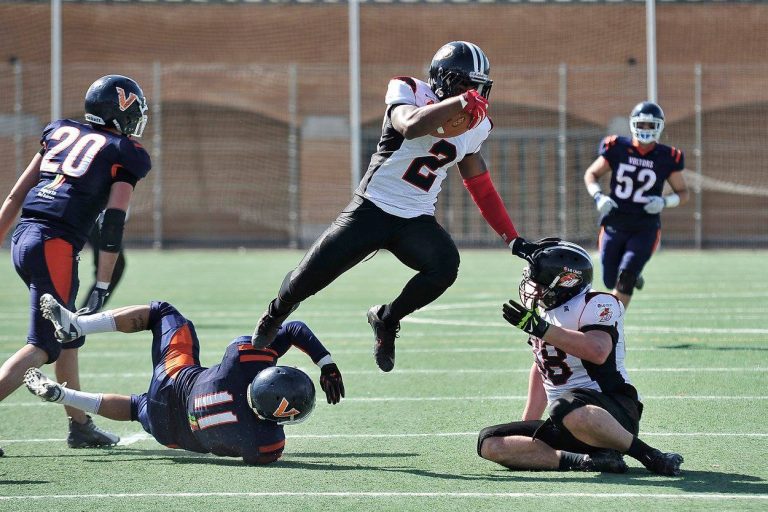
x: 236, y: 408
x: 578, y: 374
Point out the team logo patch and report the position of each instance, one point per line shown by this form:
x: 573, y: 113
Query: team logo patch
x: 606, y: 312
x: 282, y: 410
x: 568, y: 279
x: 125, y: 103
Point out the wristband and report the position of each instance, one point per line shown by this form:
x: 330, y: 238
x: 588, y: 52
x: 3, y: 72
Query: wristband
x: 671, y: 200
x: 594, y: 188
x: 324, y: 361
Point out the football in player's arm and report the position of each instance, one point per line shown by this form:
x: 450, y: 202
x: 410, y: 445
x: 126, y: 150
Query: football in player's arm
x: 629, y: 212
x: 236, y: 408
x: 393, y: 208
x: 82, y: 169
x: 578, y: 376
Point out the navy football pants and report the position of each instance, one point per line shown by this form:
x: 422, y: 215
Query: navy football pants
x: 622, y: 250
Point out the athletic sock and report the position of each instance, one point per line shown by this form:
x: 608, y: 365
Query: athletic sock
x: 98, y: 322
x: 570, y: 461
x: 641, y: 451
x: 87, y: 402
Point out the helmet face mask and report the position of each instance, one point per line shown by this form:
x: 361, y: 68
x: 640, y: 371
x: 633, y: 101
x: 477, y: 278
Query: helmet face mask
x: 282, y: 395
x: 646, y: 122
x: 458, y: 67
x: 116, y: 101
x: 556, y: 275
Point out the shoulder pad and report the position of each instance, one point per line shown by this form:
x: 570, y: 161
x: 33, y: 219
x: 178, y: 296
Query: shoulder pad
x: 134, y: 158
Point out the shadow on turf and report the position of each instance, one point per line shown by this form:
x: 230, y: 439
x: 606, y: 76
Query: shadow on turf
x: 23, y: 482
x: 689, y: 481
x: 693, y: 346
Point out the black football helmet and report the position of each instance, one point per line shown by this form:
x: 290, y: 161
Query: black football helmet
x: 459, y: 63
x: 118, y: 102
x: 557, y: 274
x: 646, y: 112
x: 282, y: 394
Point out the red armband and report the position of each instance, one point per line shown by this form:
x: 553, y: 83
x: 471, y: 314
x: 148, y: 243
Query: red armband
x: 491, y: 206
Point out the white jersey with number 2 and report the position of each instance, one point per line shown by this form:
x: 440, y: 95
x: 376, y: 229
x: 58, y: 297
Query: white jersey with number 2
x: 405, y: 176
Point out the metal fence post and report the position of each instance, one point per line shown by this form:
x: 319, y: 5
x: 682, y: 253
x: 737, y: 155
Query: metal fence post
x: 294, y: 217
x: 562, y: 140
x: 697, y: 214
x: 18, y: 110
x: 157, y: 157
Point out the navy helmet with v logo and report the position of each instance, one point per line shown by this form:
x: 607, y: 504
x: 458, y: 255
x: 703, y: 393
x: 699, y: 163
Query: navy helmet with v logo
x: 457, y: 66
x: 117, y: 101
x: 282, y: 394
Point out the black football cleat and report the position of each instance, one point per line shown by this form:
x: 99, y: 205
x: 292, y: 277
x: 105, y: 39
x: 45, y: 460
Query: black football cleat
x: 640, y: 282
x: 604, y: 461
x: 268, y: 325
x: 88, y: 435
x: 383, y: 340
x: 667, y: 464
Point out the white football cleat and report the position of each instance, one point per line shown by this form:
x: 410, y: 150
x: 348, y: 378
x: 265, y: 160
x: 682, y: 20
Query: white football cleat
x: 63, y: 320
x: 40, y: 385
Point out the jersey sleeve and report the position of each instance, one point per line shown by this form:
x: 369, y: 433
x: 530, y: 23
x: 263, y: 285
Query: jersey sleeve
x: 270, y: 446
x: 134, y: 159
x: 678, y: 159
x: 601, y: 311
x: 401, y: 91
x: 241, y: 352
x: 608, y: 147
x: 299, y: 335
x: 46, y: 133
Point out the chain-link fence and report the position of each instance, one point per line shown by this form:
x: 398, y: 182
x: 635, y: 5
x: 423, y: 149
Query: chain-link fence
x: 249, y: 122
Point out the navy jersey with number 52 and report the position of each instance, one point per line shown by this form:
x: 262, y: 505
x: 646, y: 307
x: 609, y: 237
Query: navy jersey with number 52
x: 80, y: 163
x: 635, y: 177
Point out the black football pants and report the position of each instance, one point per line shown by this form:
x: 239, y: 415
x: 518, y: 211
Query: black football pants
x: 362, y: 228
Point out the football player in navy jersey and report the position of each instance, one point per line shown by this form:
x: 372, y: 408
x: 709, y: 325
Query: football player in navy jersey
x: 629, y: 214
x: 578, y: 375
x: 393, y: 208
x: 83, y: 168
x: 236, y: 408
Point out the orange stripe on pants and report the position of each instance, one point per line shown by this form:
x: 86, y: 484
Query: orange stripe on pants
x: 59, y: 260
x: 656, y: 243
x: 600, y: 239
x: 180, y: 351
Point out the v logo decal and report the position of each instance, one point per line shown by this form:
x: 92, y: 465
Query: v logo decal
x: 124, y: 102
x: 281, y: 412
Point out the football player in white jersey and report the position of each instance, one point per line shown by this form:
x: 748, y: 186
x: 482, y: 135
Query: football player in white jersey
x: 394, y: 206
x: 578, y: 374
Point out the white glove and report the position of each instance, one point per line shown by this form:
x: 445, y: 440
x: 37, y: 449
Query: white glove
x: 654, y: 205
x: 604, y: 203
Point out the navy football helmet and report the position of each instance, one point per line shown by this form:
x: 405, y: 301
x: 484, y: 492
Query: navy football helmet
x: 646, y: 112
x: 557, y: 274
x: 118, y: 102
x: 282, y: 394
x: 458, y: 64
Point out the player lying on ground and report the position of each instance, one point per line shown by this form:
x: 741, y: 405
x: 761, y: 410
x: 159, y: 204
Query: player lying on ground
x: 578, y: 375
x: 236, y: 408
x: 393, y: 208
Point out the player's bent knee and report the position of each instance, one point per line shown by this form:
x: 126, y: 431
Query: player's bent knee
x: 626, y: 282
x: 562, y: 407
x: 491, y: 448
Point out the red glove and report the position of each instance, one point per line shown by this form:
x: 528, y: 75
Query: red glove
x: 475, y: 105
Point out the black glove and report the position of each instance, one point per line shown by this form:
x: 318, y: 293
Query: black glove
x: 526, y: 319
x: 331, y: 383
x: 95, y: 301
x: 526, y: 250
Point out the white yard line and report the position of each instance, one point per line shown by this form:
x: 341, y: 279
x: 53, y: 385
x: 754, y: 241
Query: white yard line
x: 343, y: 494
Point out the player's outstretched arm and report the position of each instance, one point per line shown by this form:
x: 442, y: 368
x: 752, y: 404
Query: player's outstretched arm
x: 298, y: 334
x: 536, y: 402
x: 12, y: 204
